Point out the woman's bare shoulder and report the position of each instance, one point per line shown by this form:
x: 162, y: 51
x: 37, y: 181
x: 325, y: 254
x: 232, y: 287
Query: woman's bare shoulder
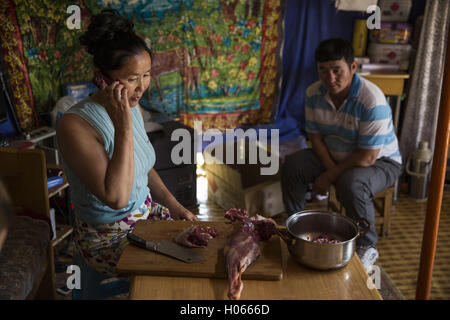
x: 72, y: 127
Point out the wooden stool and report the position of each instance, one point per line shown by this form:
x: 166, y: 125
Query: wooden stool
x: 382, y: 202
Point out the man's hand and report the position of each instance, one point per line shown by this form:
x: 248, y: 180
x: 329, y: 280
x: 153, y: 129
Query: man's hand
x: 322, y: 184
x: 359, y: 158
x: 321, y: 151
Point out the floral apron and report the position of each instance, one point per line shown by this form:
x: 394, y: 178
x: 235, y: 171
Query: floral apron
x: 102, y: 245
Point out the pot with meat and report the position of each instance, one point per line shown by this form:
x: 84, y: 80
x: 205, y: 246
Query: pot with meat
x: 321, y: 239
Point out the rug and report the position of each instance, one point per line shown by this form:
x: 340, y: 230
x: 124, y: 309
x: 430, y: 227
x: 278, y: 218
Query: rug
x: 400, y: 251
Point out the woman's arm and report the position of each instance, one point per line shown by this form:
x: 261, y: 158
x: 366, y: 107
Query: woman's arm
x: 162, y: 195
x: 110, y: 180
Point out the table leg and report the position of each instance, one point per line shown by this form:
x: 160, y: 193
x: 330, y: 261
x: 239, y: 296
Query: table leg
x: 397, y: 112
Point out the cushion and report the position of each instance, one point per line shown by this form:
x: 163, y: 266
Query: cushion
x: 23, y: 257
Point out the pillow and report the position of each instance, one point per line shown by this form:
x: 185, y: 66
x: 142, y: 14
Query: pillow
x: 23, y: 257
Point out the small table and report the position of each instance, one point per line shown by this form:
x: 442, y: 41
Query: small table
x: 391, y: 85
x: 298, y: 283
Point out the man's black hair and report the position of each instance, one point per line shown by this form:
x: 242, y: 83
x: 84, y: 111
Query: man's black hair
x: 335, y: 49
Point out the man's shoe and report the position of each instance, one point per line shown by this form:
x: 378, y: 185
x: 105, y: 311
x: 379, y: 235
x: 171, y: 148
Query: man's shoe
x: 368, y: 257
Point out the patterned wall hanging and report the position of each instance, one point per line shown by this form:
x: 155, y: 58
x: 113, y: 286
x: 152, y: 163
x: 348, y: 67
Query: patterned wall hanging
x: 13, y: 55
x: 52, y: 51
x: 214, y: 61
x: 217, y: 61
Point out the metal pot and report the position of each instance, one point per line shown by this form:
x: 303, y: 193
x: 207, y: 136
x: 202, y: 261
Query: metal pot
x: 306, y: 225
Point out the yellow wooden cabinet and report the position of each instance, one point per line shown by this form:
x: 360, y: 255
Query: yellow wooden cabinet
x: 24, y: 174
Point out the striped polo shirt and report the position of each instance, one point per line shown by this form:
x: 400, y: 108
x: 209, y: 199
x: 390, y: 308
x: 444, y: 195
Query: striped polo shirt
x: 363, y: 121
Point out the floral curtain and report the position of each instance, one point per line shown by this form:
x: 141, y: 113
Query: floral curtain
x: 13, y: 55
x: 242, y: 83
x: 52, y: 51
x: 217, y: 61
x: 422, y: 108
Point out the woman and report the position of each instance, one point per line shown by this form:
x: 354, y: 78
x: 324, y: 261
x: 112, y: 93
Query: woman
x: 106, y: 153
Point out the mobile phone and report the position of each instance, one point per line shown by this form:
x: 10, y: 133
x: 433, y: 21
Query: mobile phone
x: 98, y: 77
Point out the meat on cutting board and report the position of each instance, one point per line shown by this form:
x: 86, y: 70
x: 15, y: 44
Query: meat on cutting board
x: 242, y: 247
x: 196, y: 236
x: 241, y: 250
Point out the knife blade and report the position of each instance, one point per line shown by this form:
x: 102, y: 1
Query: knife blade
x: 168, y: 248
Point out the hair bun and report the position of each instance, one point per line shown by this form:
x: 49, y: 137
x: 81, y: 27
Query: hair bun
x: 104, y: 28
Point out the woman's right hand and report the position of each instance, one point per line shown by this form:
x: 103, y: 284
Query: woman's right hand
x: 114, y: 98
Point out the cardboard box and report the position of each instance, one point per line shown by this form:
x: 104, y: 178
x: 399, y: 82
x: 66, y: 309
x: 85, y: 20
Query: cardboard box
x: 264, y: 198
x: 243, y: 186
x: 223, y: 194
x: 239, y: 175
x: 288, y: 147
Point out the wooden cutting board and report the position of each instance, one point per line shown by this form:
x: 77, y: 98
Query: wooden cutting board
x: 135, y: 260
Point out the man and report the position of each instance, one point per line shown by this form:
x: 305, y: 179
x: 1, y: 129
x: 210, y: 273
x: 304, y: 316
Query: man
x: 354, y: 146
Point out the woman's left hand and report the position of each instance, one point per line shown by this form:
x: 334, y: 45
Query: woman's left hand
x: 181, y: 213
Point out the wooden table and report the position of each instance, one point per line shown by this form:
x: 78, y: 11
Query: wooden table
x: 299, y: 283
x: 391, y: 85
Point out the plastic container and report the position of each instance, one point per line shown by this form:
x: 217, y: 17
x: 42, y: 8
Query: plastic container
x: 54, y: 181
x: 392, y: 33
x: 390, y: 54
x: 418, y: 166
x: 360, y: 37
x: 395, y: 10
x: 379, y: 68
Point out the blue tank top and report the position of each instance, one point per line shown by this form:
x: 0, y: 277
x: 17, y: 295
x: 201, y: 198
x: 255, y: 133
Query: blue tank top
x: 87, y: 207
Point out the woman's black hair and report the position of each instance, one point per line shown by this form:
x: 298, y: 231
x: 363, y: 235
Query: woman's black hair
x: 110, y: 38
x: 335, y: 49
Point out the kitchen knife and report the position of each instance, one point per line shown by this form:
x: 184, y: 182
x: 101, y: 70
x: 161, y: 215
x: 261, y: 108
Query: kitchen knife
x: 168, y: 248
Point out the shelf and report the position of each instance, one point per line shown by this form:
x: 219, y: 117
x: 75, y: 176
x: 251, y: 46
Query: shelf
x: 62, y: 232
x: 55, y: 190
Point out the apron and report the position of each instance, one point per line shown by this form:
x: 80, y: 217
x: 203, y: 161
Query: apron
x: 102, y: 245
